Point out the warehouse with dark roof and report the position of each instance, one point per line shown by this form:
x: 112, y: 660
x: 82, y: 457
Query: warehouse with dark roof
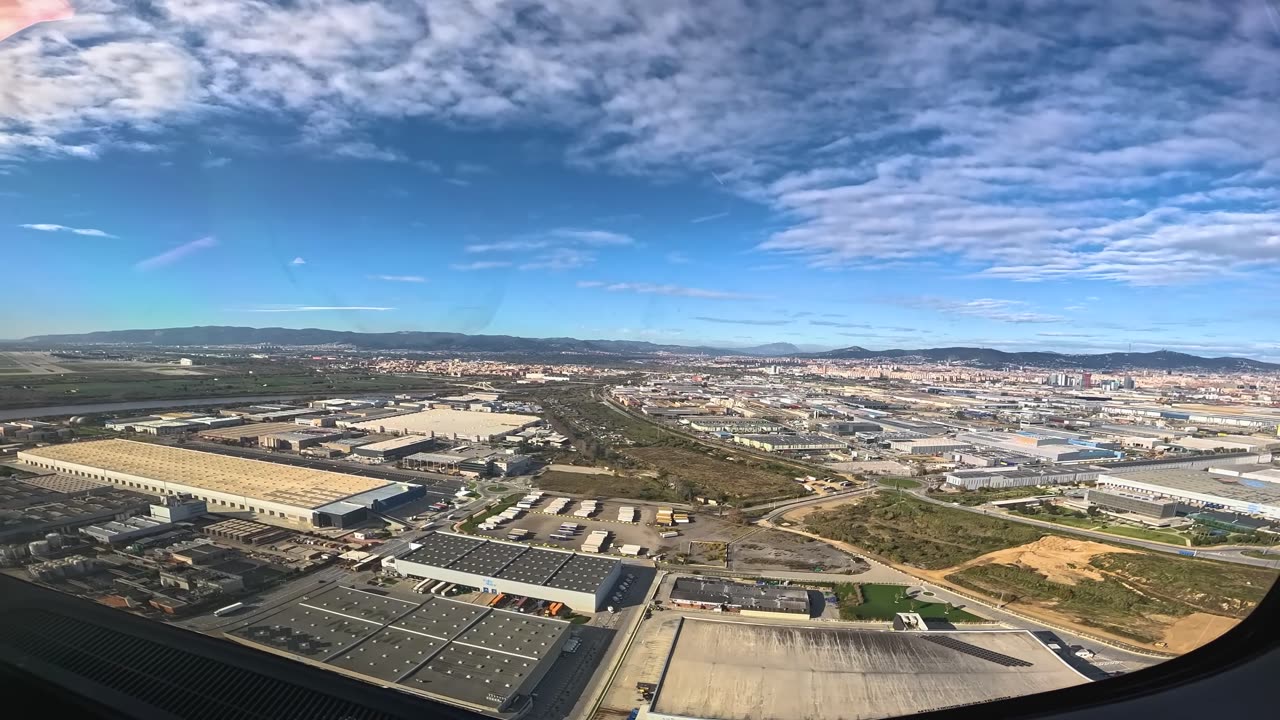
x: 579, y: 581
x: 748, y: 600
x: 485, y: 660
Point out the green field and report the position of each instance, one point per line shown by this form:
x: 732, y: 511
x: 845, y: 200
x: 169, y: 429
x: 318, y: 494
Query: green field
x: 497, y: 488
x: 882, y: 602
x: 25, y: 390
x: 901, y: 483
x: 1138, y: 592
x: 1172, y: 538
x: 1101, y: 524
x: 914, y: 532
x: 509, y: 501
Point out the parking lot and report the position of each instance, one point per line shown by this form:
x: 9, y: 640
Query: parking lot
x: 543, y: 525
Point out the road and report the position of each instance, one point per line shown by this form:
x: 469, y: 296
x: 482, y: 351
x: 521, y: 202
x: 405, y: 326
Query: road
x: 1225, y: 553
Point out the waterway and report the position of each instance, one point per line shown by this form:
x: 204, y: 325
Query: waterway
x: 56, y: 410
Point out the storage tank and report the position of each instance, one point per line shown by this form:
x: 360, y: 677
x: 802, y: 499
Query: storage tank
x: 54, y: 540
x: 39, y: 547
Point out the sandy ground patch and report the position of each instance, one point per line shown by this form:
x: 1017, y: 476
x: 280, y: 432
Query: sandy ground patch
x: 1060, y: 559
x: 1196, y: 629
x: 799, y: 514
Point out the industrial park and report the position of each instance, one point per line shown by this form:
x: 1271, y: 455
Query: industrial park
x: 774, y: 538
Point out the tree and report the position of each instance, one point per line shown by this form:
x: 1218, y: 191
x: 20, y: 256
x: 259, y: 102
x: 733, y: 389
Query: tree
x: 736, y: 516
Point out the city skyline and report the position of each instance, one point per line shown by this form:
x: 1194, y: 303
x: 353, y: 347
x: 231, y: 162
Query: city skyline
x: 818, y: 176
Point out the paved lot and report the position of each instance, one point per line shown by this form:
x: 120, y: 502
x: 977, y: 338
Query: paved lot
x: 543, y: 525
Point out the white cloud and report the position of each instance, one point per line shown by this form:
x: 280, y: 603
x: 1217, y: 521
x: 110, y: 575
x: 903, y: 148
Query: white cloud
x: 298, y: 261
x: 593, y: 237
x: 709, y: 218
x: 670, y: 290
x: 559, y: 258
x: 733, y: 321
x: 480, y: 265
x: 173, y: 255
x: 50, y: 227
x: 675, y: 257
x: 317, y: 308
x: 1009, y: 311
x: 1030, y: 147
x: 458, y: 181
x: 399, y: 278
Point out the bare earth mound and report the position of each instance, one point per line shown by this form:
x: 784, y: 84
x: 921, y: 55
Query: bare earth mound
x: 1059, y: 559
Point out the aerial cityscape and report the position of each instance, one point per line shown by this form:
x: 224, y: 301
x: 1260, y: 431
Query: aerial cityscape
x: 650, y: 532
x: 605, y: 359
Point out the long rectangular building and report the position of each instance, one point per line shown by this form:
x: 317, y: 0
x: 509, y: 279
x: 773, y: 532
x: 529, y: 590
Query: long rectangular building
x: 494, y: 566
x: 228, y: 484
x: 1200, y: 488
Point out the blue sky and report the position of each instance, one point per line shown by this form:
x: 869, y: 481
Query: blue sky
x: 1070, y: 176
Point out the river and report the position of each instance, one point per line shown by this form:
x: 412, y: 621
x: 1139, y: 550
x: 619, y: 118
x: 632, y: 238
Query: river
x: 52, y: 410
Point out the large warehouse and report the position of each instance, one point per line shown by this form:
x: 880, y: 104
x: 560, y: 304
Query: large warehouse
x: 720, y: 670
x: 485, y: 660
x: 580, y: 581
x: 451, y: 424
x: 228, y: 484
x: 1200, y: 488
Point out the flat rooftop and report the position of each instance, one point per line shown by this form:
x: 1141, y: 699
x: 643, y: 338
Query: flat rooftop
x: 748, y: 597
x: 513, y: 561
x: 252, y: 430
x: 735, y: 671
x: 273, y: 482
x: 447, y: 648
x: 1240, y: 489
x: 449, y: 423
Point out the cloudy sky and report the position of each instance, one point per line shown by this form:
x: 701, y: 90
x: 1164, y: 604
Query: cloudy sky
x: 1061, y: 175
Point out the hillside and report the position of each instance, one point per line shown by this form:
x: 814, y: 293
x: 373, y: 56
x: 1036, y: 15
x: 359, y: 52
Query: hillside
x: 208, y: 336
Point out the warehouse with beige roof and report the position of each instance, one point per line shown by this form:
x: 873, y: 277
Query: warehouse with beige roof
x: 229, y: 485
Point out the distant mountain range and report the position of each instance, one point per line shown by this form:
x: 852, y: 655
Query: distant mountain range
x: 459, y: 342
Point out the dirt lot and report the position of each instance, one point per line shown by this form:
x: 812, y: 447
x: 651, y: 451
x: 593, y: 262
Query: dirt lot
x: 777, y: 550
x: 799, y: 514
x: 702, y: 552
x: 596, y: 485
x: 1188, y: 633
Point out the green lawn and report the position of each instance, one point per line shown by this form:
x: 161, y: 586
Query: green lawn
x: 497, y: 488
x: 1145, y: 534
x: 475, y: 520
x: 1100, y: 524
x: 902, y: 483
x: 882, y: 602
x: 1273, y: 554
